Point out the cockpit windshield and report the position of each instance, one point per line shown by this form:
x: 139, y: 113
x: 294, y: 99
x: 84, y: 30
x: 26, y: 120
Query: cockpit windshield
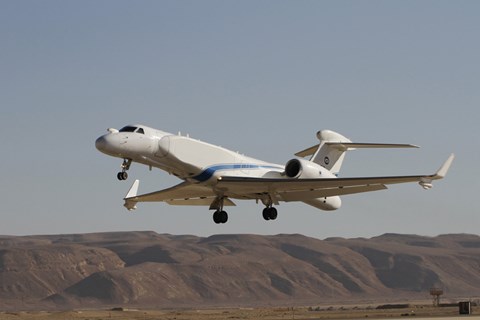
x: 128, y: 129
x: 132, y: 129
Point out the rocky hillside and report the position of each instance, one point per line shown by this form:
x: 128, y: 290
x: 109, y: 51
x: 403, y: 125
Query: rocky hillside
x: 156, y: 270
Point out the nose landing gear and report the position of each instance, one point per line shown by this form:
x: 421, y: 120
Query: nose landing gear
x: 123, y: 175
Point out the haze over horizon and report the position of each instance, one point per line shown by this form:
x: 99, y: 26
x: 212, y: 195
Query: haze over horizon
x: 258, y: 77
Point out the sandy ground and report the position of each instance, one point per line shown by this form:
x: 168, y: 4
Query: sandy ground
x: 424, y: 312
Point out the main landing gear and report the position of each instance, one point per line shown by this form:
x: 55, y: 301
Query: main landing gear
x: 270, y: 213
x: 123, y: 175
x: 220, y: 216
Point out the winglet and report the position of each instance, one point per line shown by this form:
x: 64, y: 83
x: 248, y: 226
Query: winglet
x: 132, y: 193
x: 442, y: 172
x: 426, y: 182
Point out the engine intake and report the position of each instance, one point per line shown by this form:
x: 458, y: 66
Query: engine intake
x: 303, y: 169
x: 293, y: 168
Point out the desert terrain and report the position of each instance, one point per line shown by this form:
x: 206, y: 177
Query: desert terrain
x: 233, y: 276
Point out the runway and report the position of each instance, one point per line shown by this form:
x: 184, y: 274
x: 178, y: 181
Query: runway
x: 217, y: 314
x: 459, y: 317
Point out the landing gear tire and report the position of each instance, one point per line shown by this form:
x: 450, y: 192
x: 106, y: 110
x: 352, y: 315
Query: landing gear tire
x: 265, y: 214
x: 270, y: 213
x: 122, y: 175
x: 273, y: 213
x: 220, y: 217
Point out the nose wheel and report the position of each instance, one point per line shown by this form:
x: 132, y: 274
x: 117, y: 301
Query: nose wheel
x: 123, y: 175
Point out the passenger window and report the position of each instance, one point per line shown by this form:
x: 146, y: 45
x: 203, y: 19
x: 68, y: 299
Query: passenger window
x: 140, y: 130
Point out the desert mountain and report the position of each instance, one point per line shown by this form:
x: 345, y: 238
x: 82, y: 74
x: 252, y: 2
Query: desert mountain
x: 159, y: 270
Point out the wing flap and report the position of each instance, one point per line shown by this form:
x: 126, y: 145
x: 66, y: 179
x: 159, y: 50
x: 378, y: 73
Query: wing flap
x: 308, y: 195
x: 184, y: 190
x: 198, y: 202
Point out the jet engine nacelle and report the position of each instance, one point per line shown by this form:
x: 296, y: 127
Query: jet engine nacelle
x: 304, y: 169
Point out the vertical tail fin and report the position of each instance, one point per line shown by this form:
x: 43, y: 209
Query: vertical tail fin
x: 330, y: 152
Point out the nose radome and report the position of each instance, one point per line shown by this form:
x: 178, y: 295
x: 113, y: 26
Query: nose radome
x: 101, y: 143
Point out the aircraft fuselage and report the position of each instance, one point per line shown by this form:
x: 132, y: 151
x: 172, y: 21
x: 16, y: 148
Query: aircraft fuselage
x: 184, y: 157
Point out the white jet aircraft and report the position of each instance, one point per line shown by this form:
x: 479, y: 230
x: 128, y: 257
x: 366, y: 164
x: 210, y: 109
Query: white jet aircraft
x: 212, y: 175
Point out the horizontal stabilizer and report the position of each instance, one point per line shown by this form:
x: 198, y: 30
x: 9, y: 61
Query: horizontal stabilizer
x: 354, y: 145
x: 344, y: 146
x: 307, y: 152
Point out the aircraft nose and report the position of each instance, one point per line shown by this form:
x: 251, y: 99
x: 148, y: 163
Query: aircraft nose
x: 101, y: 143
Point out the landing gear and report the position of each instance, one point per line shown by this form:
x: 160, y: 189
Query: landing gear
x: 220, y: 217
x: 123, y: 175
x: 270, y: 213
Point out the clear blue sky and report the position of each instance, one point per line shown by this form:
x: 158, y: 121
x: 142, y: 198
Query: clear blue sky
x: 260, y: 77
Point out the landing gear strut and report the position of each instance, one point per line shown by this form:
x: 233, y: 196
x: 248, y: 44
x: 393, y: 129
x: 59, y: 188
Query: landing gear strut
x: 123, y: 175
x: 269, y: 213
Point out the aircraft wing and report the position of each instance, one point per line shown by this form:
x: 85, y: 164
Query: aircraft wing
x: 302, y: 189
x: 185, y: 193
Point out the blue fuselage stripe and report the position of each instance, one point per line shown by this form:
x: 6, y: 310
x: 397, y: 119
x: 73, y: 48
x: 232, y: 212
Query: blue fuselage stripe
x: 207, y: 173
